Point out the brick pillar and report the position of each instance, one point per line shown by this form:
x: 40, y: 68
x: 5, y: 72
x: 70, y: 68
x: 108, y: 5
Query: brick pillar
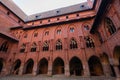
x: 35, y: 69
x: 67, y: 70
x: 106, y: 69
x: 4, y: 71
x: 49, y: 68
x: 86, y: 69
x: 21, y: 69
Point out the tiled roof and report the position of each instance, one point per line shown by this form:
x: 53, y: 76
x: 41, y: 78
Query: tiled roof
x: 57, y: 12
x: 8, y: 36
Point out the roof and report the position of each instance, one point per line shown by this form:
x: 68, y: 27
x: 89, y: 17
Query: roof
x: 101, y: 11
x: 8, y: 36
x: 57, y: 12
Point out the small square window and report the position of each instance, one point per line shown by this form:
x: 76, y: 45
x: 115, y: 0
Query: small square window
x: 49, y: 20
x: 40, y: 22
x: 66, y: 17
x: 8, y: 13
x: 71, y: 30
x: 77, y: 15
x: 58, y: 19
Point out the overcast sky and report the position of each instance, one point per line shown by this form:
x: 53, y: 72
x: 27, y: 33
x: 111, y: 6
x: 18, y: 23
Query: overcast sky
x: 38, y: 6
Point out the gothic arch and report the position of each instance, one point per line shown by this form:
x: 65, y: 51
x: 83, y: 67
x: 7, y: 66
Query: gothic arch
x: 45, y: 46
x: 58, y: 66
x: 28, y: 68
x: 4, y: 46
x: 33, y: 47
x: 73, y: 43
x: 58, y: 44
x: 35, y: 33
x: 58, y: 28
x: 43, y: 66
x: 71, y: 26
x: 109, y: 26
x: 46, y: 30
x: 95, y: 66
x: 16, y: 66
x: 76, y: 67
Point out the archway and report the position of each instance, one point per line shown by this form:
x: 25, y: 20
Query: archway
x: 29, y: 66
x: 108, y: 68
x: 16, y: 66
x: 95, y: 66
x: 76, y: 67
x: 1, y: 65
x: 43, y: 66
x: 58, y: 66
x: 116, y: 55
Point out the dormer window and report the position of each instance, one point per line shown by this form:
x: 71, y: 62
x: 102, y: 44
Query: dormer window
x: 82, y: 6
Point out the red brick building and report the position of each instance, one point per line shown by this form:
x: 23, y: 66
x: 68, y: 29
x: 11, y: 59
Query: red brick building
x: 81, y: 40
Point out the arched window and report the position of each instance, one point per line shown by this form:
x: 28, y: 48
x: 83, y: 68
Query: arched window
x: 71, y: 30
x: 73, y: 44
x: 89, y: 42
x: 110, y: 26
x: 4, y: 47
x: 86, y: 27
x: 59, y: 31
x: 58, y: 45
x: 33, y: 47
x: 35, y: 34
x: 25, y: 35
x: 22, y: 48
x: 45, y: 46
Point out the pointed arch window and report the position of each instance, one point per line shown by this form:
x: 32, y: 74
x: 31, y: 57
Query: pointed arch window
x: 35, y: 34
x: 89, y: 42
x: 46, y: 33
x: 58, y: 45
x: 110, y: 26
x: 59, y: 31
x: 22, y: 48
x: 73, y: 44
x: 25, y: 35
x: 33, y: 47
x: 71, y: 30
x: 4, y: 46
x: 45, y: 46
x: 86, y: 27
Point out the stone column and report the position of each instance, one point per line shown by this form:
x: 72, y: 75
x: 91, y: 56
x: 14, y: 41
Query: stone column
x: 86, y: 71
x: 67, y: 70
x: 116, y: 70
x: 21, y: 69
x: 106, y: 69
x: 34, y: 72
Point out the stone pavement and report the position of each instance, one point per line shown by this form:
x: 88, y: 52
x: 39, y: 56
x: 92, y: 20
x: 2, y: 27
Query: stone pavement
x: 43, y: 77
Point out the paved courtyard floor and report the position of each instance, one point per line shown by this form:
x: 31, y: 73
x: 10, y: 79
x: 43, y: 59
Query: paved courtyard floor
x: 43, y: 77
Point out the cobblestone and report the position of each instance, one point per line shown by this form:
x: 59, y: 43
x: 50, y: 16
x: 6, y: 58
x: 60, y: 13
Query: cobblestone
x: 39, y: 77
